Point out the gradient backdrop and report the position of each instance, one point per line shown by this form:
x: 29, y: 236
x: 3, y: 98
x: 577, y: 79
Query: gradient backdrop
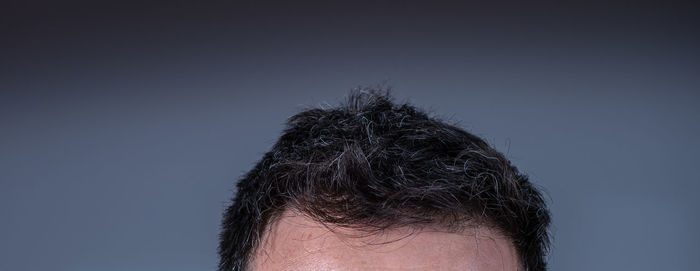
x: 125, y: 125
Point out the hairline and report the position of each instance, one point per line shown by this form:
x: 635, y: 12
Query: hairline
x: 365, y: 231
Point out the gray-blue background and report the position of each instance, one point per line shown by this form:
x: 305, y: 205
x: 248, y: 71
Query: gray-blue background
x: 124, y: 126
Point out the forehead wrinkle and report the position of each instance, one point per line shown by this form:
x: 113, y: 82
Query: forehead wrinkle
x: 295, y: 227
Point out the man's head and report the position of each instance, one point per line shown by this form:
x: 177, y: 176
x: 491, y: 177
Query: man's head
x: 373, y: 184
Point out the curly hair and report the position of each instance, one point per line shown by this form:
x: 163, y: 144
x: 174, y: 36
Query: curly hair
x: 372, y: 164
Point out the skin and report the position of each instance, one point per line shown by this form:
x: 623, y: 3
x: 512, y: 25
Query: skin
x: 296, y: 242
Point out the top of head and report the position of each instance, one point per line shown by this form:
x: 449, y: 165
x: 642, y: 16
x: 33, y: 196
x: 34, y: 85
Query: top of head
x: 372, y: 165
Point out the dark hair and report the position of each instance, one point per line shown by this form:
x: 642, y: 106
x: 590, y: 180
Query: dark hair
x: 372, y: 164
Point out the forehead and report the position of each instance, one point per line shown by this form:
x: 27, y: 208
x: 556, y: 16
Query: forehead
x: 296, y: 242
